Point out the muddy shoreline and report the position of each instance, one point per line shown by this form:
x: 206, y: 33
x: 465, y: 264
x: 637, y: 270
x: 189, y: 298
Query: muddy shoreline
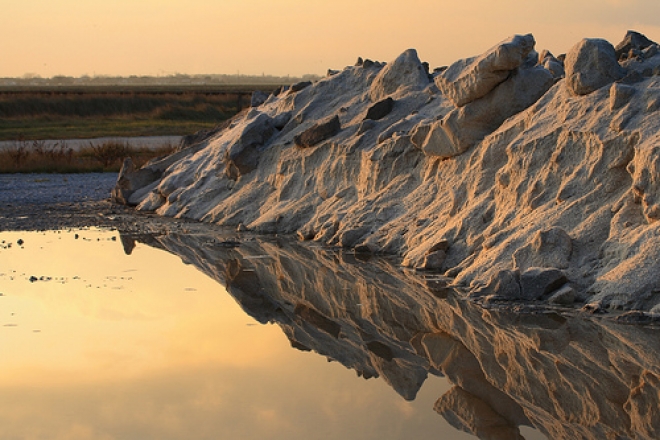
x: 105, y: 214
x: 39, y: 202
x: 86, y: 207
x: 95, y: 213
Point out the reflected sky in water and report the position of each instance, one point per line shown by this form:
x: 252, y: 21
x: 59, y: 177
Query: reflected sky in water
x: 105, y: 345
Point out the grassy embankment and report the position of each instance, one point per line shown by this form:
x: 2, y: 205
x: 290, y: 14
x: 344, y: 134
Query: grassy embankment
x: 29, y: 115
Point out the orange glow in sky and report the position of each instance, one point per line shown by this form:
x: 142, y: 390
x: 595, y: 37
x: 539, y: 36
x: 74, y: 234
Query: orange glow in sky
x: 280, y: 37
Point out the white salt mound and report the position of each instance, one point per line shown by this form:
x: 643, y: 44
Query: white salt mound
x: 498, y: 171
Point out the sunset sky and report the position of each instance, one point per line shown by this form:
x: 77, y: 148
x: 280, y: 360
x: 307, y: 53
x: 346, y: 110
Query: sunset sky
x: 294, y: 37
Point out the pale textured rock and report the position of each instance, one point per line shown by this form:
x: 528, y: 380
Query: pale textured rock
x: 133, y: 185
x: 505, y: 284
x: 433, y: 140
x: 544, y: 55
x: 419, y: 133
x: 243, y: 155
x: 434, y: 260
x: 590, y: 65
x: 129, y: 180
x: 280, y: 121
x: 548, y: 248
x: 401, y: 127
x: 469, y: 124
x: 632, y: 41
x: 555, y: 67
x: 295, y: 88
x: 472, y: 78
x: 463, y: 127
x: 368, y: 64
x: 620, y: 95
x: 651, y: 51
x: 365, y: 126
x: 404, y: 73
x: 645, y: 172
x: 258, y: 97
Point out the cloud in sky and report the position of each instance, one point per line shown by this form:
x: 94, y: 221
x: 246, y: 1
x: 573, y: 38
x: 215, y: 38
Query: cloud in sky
x: 280, y: 37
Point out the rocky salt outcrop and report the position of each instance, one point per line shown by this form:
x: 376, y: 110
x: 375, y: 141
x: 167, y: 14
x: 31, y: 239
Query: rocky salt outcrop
x: 499, y: 156
x: 242, y: 156
x: 318, y: 133
x: 632, y: 45
x: 470, y: 79
x: 403, y: 75
x: 465, y: 126
x: 592, y: 64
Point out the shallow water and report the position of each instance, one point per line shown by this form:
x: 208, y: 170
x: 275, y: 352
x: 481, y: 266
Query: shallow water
x: 108, y: 335
x: 100, y: 344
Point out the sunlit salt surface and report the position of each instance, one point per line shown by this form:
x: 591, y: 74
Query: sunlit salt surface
x: 99, y: 344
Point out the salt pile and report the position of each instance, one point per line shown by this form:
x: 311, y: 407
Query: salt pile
x: 521, y: 175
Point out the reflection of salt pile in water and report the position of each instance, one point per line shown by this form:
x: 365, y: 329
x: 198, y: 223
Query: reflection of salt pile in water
x: 490, y: 171
x: 570, y: 378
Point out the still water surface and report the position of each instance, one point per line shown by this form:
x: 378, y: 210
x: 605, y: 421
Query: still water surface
x: 97, y: 344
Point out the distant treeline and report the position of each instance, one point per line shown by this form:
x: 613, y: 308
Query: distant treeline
x: 30, y: 80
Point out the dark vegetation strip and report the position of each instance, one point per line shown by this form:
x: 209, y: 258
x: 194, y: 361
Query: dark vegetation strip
x: 65, y: 113
x: 98, y: 127
x: 39, y: 157
x: 141, y: 88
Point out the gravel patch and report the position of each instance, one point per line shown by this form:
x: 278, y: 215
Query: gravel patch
x: 28, y: 189
x: 40, y: 202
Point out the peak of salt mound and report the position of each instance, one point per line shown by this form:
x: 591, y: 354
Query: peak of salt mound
x: 592, y: 64
x: 500, y: 158
x: 470, y: 79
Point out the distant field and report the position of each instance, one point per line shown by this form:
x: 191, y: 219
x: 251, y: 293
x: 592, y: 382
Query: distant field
x: 56, y: 112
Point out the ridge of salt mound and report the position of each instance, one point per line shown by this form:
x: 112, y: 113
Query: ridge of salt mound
x: 470, y: 79
x: 573, y: 165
